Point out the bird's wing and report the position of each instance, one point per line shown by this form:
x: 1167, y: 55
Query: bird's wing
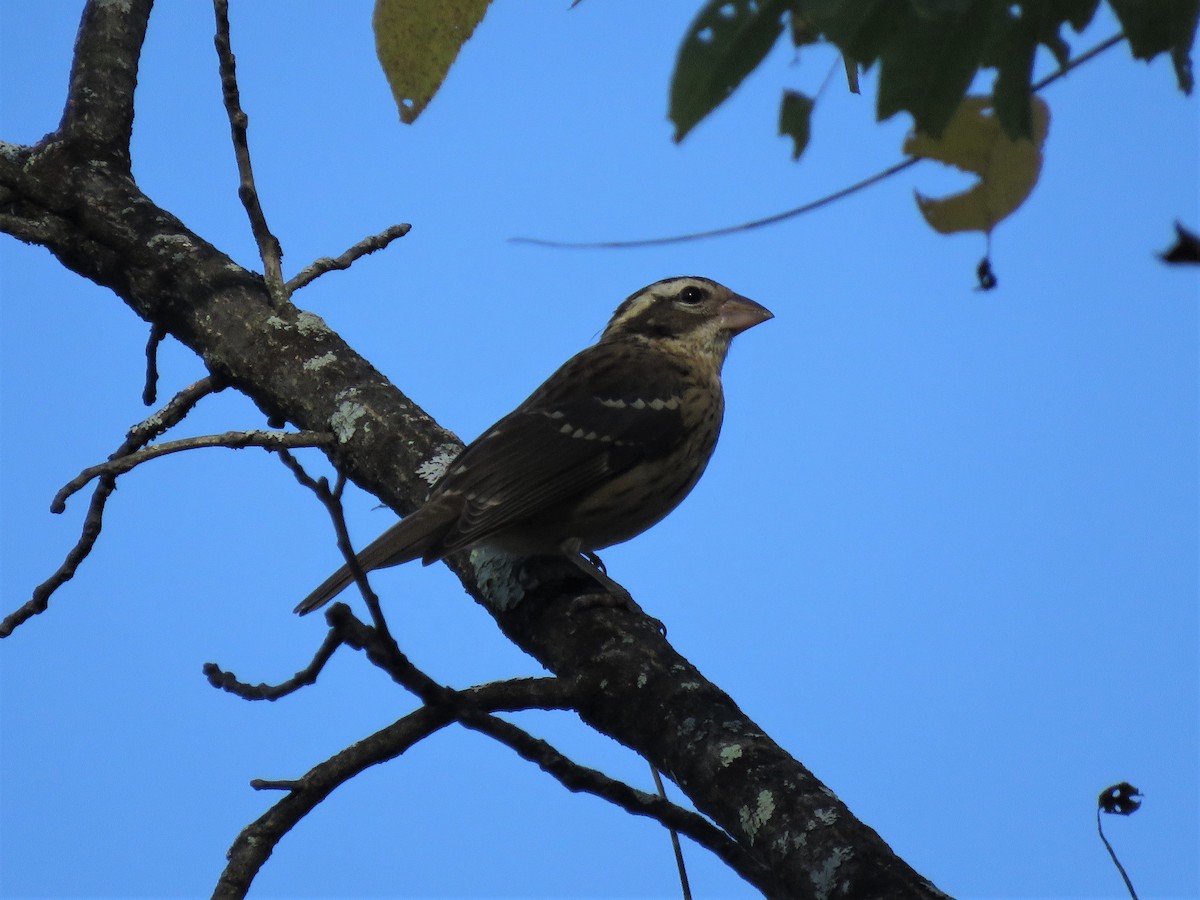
x: 604, y: 411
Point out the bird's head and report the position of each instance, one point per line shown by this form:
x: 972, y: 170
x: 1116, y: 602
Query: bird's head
x: 687, y: 314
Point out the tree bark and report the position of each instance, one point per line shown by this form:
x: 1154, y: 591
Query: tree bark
x: 73, y: 193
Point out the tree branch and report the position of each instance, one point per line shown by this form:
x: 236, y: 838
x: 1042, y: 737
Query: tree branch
x: 99, y: 108
x: 227, y: 681
x: 119, y: 464
x: 172, y: 414
x: 257, y: 841
x: 269, y: 249
x: 324, y: 264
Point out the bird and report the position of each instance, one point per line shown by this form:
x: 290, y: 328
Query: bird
x: 605, y: 448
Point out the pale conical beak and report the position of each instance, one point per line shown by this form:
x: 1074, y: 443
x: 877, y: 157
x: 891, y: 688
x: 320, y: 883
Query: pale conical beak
x: 739, y: 313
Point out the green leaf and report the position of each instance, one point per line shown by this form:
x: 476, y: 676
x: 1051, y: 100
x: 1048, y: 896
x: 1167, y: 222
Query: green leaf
x: 1013, y: 61
x: 1161, y: 26
x: 974, y: 141
x: 417, y: 41
x: 928, y: 64
x: 794, y: 114
x: 728, y: 39
x: 860, y: 28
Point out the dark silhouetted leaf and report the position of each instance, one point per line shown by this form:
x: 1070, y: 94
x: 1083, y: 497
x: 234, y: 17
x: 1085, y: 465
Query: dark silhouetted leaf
x: 928, y: 64
x: 1161, y: 26
x: 794, y: 114
x: 722, y: 46
x: 1186, y: 249
x: 1120, y: 799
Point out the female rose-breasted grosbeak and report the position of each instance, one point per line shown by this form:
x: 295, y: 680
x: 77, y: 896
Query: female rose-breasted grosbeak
x: 609, y: 445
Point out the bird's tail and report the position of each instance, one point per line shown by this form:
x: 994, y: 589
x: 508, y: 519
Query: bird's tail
x: 407, y: 540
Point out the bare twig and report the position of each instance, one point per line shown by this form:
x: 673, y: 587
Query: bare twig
x: 258, y: 840
x: 263, y: 784
x: 1085, y: 56
x: 268, y: 245
x: 1121, y: 799
x: 137, y: 436
x: 392, y: 658
x: 685, y: 888
x: 582, y: 779
x: 807, y: 207
x: 324, y: 264
x: 120, y: 464
x: 227, y: 681
x: 150, y: 391
x: 40, y: 599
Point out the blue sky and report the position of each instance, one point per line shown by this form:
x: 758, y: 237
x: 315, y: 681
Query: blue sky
x: 946, y: 553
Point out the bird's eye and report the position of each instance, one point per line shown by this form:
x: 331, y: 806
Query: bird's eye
x: 691, y: 295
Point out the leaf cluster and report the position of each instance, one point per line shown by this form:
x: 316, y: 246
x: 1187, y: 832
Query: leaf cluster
x: 928, y: 51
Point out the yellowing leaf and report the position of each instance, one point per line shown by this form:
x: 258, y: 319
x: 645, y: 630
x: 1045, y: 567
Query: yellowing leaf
x: 974, y: 141
x: 417, y: 41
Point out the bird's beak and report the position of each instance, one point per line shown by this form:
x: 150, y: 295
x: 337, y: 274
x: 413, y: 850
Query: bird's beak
x: 739, y: 313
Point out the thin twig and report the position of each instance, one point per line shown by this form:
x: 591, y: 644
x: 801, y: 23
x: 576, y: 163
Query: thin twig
x: 227, y: 681
x: 137, y: 436
x: 392, y: 658
x: 40, y: 599
x: 1078, y: 61
x: 807, y: 207
x: 581, y: 779
x: 263, y: 784
x: 1113, y: 855
x: 728, y: 229
x: 258, y: 840
x: 679, y: 865
x: 269, y: 248
x: 324, y: 264
x: 150, y: 391
x: 120, y: 464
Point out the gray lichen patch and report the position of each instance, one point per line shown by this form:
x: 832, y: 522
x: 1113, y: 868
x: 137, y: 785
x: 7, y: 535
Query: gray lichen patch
x: 344, y: 420
x: 754, y: 819
x: 435, y: 467
x: 824, y: 879
x: 495, y: 578
x: 319, y: 362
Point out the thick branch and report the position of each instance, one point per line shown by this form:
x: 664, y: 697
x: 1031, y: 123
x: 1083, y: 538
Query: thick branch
x: 99, y: 109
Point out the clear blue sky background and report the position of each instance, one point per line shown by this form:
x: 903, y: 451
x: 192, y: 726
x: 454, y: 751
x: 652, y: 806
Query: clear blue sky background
x: 946, y: 553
